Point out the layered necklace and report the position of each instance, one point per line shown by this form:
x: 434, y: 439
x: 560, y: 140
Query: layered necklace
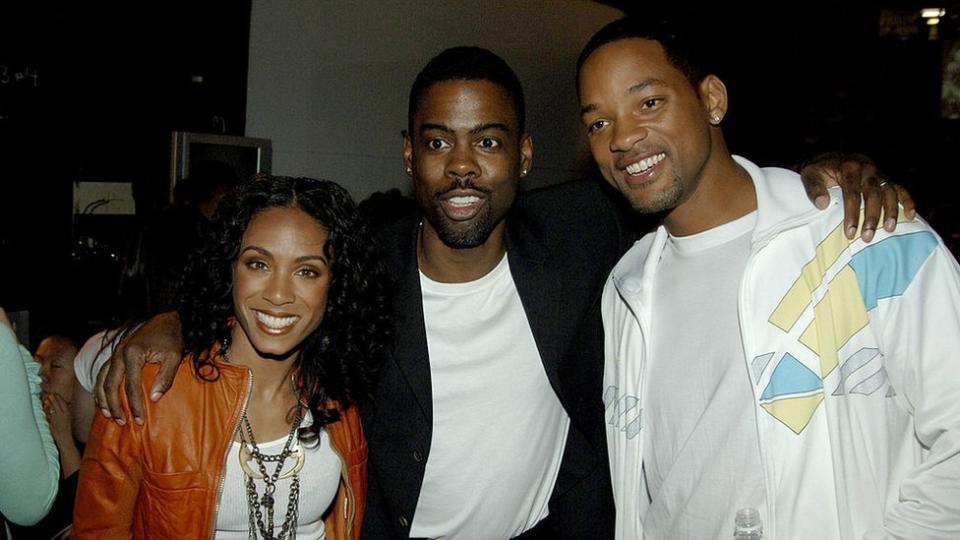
x: 260, y: 507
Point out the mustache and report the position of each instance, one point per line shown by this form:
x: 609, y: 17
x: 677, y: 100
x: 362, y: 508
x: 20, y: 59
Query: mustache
x: 463, y: 183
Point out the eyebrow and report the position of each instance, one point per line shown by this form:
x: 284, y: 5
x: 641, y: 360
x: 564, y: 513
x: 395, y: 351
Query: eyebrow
x: 639, y: 87
x: 473, y: 131
x: 267, y: 254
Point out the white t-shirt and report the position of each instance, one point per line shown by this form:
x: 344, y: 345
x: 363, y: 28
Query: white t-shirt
x: 319, y: 481
x: 499, y: 429
x: 701, y: 454
x: 92, y: 356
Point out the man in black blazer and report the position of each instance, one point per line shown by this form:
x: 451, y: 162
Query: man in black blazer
x: 466, y: 152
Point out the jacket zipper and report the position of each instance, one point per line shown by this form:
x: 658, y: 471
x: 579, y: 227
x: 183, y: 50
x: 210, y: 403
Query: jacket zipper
x: 226, y: 454
x: 745, y: 337
x: 345, y: 478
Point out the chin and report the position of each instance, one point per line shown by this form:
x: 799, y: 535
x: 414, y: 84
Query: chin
x: 275, y: 352
x: 465, y: 235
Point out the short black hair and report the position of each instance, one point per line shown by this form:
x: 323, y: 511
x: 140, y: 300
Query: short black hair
x: 467, y: 64
x: 681, y: 34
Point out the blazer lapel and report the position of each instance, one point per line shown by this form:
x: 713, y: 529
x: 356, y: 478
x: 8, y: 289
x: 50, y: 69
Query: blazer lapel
x: 410, y: 353
x: 538, y: 287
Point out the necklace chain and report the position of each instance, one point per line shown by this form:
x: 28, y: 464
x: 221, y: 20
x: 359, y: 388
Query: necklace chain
x: 256, y: 504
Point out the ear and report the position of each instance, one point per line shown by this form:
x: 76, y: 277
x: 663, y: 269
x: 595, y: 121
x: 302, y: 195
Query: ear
x: 713, y: 96
x: 407, y: 151
x: 526, y: 154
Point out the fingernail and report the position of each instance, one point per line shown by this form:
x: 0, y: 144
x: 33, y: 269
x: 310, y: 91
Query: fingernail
x: 138, y: 420
x: 867, y: 235
x: 821, y: 202
x: 121, y: 421
x: 851, y: 230
x: 155, y: 396
x: 889, y: 224
x: 105, y: 413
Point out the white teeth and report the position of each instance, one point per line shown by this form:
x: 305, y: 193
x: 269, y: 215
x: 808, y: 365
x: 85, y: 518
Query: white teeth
x: 276, y: 323
x: 644, y: 164
x: 463, y: 201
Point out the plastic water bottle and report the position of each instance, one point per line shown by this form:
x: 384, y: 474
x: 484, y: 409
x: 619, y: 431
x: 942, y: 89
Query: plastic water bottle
x: 747, y: 525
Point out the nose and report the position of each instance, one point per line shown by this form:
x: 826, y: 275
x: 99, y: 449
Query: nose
x: 279, y: 290
x: 462, y: 163
x: 626, y: 135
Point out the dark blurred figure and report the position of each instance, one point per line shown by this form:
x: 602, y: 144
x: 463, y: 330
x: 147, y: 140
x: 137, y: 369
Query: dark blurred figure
x: 156, y: 262
x: 944, y: 216
x: 385, y: 207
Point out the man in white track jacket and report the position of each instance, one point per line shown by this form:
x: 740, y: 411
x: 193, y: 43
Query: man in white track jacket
x: 755, y: 357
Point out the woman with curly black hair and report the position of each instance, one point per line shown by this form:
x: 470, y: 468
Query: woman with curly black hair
x: 284, y: 321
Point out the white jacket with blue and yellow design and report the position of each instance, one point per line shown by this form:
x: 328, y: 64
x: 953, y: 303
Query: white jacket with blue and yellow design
x: 853, y: 352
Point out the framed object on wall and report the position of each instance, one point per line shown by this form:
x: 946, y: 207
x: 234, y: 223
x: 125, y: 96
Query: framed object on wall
x: 245, y: 155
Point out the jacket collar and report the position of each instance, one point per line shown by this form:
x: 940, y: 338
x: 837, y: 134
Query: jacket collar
x: 781, y: 202
x: 536, y: 281
x: 410, y: 348
x: 781, y: 199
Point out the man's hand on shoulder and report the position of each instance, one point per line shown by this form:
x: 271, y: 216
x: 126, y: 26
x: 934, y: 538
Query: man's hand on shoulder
x: 158, y: 340
x: 857, y: 175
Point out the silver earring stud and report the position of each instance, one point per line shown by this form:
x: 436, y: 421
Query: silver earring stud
x: 715, y: 118
x: 409, y: 170
x: 523, y: 172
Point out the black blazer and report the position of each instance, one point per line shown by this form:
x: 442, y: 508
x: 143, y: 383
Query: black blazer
x: 562, y: 242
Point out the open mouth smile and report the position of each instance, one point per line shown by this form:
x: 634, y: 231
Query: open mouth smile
x: 274, y: 323
x: 645, y: 164
x: 462, y: 205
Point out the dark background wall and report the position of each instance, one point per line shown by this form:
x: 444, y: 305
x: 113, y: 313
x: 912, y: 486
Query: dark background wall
x: 107, y: 83
x: 101, y: 86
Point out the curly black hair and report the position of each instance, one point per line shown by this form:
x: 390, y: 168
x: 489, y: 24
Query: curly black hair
x: 339, y: 360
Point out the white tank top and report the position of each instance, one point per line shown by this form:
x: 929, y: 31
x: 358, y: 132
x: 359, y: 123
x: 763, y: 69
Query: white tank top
x: 319, y: 481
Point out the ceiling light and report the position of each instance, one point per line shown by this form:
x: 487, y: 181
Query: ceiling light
x: 932, y: 13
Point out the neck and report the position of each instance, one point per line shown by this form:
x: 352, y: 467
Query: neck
x: 445, y: 264
x: 271, y: 377
x: 724, y: 193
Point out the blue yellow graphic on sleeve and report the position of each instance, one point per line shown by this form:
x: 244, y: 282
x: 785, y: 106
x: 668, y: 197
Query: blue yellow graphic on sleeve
x: 887, y: 268
x: 876, y: 272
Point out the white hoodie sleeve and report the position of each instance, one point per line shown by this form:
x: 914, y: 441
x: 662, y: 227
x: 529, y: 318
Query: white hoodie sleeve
x: 920, y: 331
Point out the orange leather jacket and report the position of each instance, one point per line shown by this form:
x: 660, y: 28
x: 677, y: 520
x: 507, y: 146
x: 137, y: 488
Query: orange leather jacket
x: 163, y: 479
